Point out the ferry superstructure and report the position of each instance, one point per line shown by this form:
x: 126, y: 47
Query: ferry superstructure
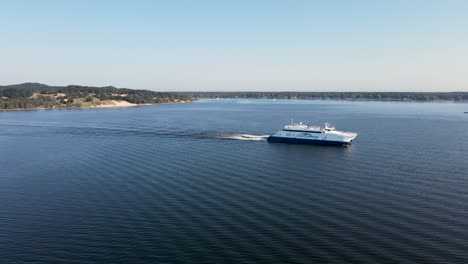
x: 305, y: 134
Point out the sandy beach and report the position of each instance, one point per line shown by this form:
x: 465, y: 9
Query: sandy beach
x: 116, y: 103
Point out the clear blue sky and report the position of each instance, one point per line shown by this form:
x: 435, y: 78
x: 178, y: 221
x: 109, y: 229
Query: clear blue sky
x: 373, y: 45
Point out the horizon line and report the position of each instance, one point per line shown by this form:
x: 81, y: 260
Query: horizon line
x: 236, y: 91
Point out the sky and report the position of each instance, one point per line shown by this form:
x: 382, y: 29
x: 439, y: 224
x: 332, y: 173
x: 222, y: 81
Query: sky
x: 237, y: 45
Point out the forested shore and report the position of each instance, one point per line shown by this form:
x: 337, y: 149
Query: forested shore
x: 36, y: 95
x: 369, y: 96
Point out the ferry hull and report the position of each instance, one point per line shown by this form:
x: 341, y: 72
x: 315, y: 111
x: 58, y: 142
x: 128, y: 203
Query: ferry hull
x: 273, y: 139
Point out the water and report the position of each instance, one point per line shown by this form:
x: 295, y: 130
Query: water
x: 198, y: 183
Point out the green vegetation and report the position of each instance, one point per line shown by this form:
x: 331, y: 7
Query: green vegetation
x: 371, y: 96
x: 36, y: 95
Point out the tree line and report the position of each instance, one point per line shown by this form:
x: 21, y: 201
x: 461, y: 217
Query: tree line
x: 375, y: 96
x: 35, y: 95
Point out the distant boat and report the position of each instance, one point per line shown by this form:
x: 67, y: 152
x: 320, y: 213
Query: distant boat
x: 304, y: 134
x: 466, y: 112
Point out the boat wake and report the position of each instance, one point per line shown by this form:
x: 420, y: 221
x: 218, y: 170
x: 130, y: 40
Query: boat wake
x: 243, y: 137
x: 96, y: 130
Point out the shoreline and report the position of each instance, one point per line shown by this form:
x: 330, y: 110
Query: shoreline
x: 102, y: 106
x: 339, y: 100
x: 125, y: 104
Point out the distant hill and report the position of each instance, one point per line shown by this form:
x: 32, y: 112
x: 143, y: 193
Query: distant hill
x: 369, y: 96
x: 37, y: 95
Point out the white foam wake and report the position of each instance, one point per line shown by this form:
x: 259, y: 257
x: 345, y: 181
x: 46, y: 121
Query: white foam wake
x: 243, y: 137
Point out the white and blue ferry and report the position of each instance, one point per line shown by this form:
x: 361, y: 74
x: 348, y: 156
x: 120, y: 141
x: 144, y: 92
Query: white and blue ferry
x: 304, y: 134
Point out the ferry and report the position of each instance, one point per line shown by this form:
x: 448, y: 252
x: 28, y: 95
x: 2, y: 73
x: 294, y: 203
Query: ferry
x: 305, y: 134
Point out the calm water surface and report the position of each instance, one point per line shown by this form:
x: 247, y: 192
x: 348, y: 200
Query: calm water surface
x: 173, y: 184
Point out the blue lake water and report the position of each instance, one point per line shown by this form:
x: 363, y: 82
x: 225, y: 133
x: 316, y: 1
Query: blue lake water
x: 175, y: 184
